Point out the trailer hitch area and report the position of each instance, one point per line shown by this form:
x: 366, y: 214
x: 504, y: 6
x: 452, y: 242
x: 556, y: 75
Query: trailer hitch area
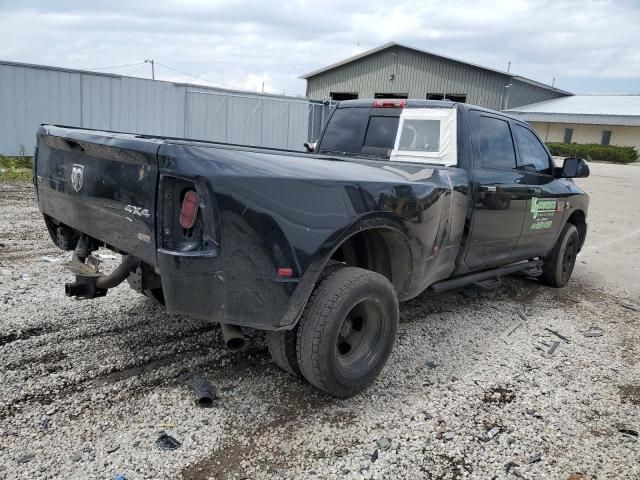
x: 91, y: 283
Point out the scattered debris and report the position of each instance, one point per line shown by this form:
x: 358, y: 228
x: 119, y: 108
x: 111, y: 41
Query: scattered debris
x: 449, y: 436
x: 499, y: 395
x: 514, y: 329
x: 490, y: 434
x: 49, y: 259
x: 516, y: 471
x: 383, y: 443
x: 105, y: 256
x: 120, y: 476
x: 374, y: 457
x: 509, y: 466
x: 534, y: 413
x: 631, y: 306
x: 429, y: 364
x: 559, y: 335
x: 593, y: 332
x: 553, y: 347
x: 26, y: 277
x: 26, y: 458
x: 344, y: 403
x: 76, y: 457
x: 628, y: 431
x: 112, y: 449
x: 167, y: 442
x: 522, y: 315
x: 536, y: 457
x: 166, y: 425
x: 205, y: 392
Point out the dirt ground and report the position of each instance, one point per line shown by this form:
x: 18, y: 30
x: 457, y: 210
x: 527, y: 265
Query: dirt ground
x: 519, y: 382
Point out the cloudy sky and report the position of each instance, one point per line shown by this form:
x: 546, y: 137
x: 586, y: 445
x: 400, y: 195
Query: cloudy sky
x: 588, y: 46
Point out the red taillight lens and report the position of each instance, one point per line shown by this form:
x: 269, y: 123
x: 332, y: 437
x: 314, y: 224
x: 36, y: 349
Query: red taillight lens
x: 389, y: 103
x: 189, y: 209
x: 285, y: 272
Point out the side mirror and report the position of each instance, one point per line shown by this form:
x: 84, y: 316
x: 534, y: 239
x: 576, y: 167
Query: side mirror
x: 574, y: 168
x: 310, y: 146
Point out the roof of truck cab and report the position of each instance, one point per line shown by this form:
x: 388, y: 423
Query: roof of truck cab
x: 416, y: 103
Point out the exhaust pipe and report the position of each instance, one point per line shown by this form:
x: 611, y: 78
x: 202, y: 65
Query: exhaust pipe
x: 119, y: 275
x: 233, y: 338
x: 91, y: 286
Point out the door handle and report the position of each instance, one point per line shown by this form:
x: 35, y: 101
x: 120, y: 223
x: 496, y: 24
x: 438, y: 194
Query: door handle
x: 488, y: 188
x: 535, y: 190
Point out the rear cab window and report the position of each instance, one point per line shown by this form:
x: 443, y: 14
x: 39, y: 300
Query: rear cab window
x: 420, y: 135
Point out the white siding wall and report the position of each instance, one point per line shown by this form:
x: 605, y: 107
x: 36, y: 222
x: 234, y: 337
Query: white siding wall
x: 620, y: 135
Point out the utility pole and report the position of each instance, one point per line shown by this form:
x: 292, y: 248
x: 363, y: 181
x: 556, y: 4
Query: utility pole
x: 508, y: 67
x: 153, y: 70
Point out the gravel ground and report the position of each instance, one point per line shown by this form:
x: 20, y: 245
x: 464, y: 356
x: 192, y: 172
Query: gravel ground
x: 472, y: 390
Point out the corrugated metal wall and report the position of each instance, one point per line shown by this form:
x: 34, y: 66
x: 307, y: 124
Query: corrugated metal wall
x: 418, y: 74
x: 31, y: 95
x: 524, y: 93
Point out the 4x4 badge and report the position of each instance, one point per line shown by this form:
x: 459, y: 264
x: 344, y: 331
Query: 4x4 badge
x: 77, y: 177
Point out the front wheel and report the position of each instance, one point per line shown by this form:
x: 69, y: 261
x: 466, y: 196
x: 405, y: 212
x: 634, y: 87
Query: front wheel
x: 558, y: 265
x: 347, y: 331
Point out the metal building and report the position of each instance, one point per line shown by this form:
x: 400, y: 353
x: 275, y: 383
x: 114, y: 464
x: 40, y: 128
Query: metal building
x: 34, y: 94
x: 398, y: 71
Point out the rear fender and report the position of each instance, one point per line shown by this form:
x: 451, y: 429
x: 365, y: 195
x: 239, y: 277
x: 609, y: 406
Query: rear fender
x: 404, y: 263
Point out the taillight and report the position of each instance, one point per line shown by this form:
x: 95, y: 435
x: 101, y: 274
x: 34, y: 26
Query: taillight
x: 189, y: 209
x: 389, y: 103
x: 285, y: 272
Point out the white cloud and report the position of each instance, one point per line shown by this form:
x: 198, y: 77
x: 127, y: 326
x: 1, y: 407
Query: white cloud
x: 586, y: 45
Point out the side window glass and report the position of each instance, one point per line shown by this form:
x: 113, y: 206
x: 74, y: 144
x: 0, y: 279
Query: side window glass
x: 495, y: 144
x: 533, y: 156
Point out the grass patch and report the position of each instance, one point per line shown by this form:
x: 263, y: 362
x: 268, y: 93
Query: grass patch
x: 15, y: 175
x: 16, y: 162
x: 16, y: 169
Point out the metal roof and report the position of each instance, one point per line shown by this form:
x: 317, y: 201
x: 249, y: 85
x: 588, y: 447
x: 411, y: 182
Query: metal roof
x: 591, y: 109
x: 426, y: 52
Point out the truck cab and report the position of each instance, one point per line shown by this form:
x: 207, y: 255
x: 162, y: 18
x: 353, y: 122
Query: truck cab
x: 520, y: 198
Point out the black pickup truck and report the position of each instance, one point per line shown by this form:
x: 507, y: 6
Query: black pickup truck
x: 315, y: 248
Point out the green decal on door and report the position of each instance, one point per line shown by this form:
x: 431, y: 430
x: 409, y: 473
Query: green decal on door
x: 542, y: 212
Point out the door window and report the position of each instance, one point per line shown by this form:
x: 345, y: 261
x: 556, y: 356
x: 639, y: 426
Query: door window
x: 495, y: 143
x: 533, y: 156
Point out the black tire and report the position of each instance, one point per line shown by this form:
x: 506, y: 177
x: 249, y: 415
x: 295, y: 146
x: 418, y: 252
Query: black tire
x: 347, y: 331
x: 282, y: 347
x: 558, y: 265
